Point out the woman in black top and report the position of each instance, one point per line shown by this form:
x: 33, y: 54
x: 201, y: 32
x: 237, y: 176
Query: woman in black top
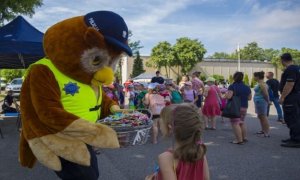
x: 7, y: 103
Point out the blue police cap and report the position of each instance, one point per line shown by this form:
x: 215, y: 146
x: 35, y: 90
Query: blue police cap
x: 112, y: 26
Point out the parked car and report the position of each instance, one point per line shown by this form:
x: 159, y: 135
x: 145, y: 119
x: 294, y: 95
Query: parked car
x: 15, y: 85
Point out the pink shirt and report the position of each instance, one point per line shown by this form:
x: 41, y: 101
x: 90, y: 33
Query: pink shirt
x: 197, y: 84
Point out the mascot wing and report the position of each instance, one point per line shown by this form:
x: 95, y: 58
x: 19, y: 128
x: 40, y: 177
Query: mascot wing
x: 51, y: 132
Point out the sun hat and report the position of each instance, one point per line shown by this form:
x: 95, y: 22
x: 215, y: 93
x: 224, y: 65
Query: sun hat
x: 210, y: 79
x: 152, y: 86
x: 112, y: 26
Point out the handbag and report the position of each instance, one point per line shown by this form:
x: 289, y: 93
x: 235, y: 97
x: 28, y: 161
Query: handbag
x: 233, y: 107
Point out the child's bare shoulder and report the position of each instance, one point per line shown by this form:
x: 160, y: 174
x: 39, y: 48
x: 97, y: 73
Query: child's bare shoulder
x: 165, y: 159
x: 165, y: 156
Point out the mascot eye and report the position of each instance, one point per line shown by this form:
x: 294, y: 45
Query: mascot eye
x: 96, y: 61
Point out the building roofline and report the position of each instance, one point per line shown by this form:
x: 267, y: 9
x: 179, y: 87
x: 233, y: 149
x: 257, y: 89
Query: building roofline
x: 225, y: 60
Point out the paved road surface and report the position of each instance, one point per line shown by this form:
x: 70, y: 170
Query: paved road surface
x: 260, y: 159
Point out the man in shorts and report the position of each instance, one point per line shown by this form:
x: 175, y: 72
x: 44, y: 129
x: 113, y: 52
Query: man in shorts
x: 290, y: 98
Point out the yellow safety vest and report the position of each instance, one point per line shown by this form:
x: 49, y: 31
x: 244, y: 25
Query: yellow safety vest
x: 77, y: 98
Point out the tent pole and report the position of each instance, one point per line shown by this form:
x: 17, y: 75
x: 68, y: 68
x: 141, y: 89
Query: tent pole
x: 0, y: 82
x: 21, y: 59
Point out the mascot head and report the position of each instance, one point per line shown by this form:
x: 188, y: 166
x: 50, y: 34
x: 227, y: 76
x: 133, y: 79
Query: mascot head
x: 87, y: 48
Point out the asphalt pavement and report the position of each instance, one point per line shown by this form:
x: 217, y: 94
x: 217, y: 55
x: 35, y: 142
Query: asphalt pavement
x: 259, y: 159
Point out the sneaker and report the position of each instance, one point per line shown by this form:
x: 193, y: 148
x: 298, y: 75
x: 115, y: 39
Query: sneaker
x: 286, y: 140
x: 280, y: 120
x: 236, y: 142
x: 291, y: 144
x: 245, y: 140
x: 259, y: 133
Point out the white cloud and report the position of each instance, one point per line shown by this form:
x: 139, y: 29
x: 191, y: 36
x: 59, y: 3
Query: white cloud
x: 280, y: 19
x: 272, y: 25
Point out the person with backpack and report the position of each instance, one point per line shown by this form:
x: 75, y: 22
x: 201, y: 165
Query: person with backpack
x: 156, y: 103
x: 165, y: 93
x: 274, y: 95
x: 176, y: 97
x: 140, y: 96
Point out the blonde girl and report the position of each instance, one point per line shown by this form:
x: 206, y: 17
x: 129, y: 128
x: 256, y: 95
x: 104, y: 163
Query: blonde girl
x: 186, y: 158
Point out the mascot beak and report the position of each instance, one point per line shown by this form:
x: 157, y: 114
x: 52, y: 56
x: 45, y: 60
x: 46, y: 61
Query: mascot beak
x: 105, y: 76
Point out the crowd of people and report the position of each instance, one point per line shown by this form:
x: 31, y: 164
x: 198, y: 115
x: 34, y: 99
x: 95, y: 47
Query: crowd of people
x: 210, y: 97
x: 183, y: 110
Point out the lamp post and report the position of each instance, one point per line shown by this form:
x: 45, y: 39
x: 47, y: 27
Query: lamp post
x: 239, y: 57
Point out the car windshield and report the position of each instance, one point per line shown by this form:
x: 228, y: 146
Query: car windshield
x: 17, y: 81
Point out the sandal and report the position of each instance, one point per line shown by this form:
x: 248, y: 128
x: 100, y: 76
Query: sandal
x: 265, y: 135
x: 259, y: 133
x: 245, y: 140
x: 238, y: 143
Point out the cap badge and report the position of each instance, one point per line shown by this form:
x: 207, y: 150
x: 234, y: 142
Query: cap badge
x: 124, y: 34
x: 93, y: 23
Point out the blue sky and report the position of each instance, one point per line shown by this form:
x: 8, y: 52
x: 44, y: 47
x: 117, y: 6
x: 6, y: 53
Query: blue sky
x: 219, y: 24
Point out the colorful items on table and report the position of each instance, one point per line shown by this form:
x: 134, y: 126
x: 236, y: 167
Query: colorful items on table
x: 126, y: 119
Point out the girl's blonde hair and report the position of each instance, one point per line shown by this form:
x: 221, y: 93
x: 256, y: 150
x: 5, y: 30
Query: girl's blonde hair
x: 187, y: 126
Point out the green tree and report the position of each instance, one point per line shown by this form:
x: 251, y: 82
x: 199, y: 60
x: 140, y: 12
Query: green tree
x: 202, y: 77
x: 162, y: 56
x: 246, y: 79
x: 134, y: 45
x: 294, y: 52
x: 9, y: 9
x: 270, y: 53
x: 218, y: 77
x: 10, y: 74
x: 224, y: 55
x: 252, y: 52
x: 253, y: 82
x: 138, y: 67
x: 188, y: 52
x: 230, y: 79
x: 220, y: 55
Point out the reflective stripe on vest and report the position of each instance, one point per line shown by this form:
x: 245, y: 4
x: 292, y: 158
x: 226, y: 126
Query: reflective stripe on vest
x: 77, y: 98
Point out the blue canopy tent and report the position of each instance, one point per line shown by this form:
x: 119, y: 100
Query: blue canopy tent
x: 20, y: 44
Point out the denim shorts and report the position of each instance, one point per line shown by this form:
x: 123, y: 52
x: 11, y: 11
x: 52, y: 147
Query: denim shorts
x: 261, y: 107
